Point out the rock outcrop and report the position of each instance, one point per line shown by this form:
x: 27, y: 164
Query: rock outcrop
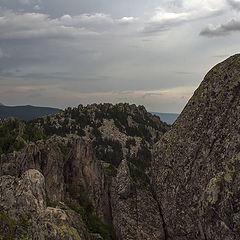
x: 135, y: 211
x: 26, y: 197
x: 83, y: 170
x: 196, y: 164
x: 75, y: 185
x: 46, y: 158
x: 37, y: 182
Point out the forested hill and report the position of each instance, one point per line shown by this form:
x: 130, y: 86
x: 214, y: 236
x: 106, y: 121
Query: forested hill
x: 26, y: 113
x: 86, y: 155
x: 116, y: 132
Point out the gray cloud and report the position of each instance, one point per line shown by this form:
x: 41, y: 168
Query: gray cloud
x: 64, y: 53
x: 26, y: 2
x: 221, y: 56
x: 36, y: 25
x: 166, y: 18
x: 151, y: 94
x: 183, y: 72
x: 235, y: 4
x: 221, y: 30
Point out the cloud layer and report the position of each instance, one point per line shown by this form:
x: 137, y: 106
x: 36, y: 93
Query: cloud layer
x: 221, y: 30
x: 235, y: 4
x: 62, y: 53
x: 165, y: 18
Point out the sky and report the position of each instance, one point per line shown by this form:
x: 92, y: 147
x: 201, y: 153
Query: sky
x: 154, y: 53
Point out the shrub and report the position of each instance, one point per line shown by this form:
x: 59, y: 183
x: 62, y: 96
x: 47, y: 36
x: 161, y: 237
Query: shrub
x: 65, y: 149
x: 110, y: 171
x: 11, y: 229
x: 8, y: 133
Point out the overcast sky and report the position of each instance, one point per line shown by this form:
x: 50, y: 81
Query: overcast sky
x: 155, y: 53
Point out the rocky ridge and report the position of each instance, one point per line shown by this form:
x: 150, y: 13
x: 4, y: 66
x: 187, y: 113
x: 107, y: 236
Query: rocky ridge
x: 196, y: 164
x: 79, y: 185
x: 69, y: 180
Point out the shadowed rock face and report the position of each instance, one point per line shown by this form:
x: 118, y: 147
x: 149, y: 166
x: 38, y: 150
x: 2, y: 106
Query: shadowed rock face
x: 196, y: 164
x: 83, y: 169
x: 135, y: 211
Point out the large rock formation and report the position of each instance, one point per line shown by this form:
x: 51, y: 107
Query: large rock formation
x: 26, y: 197
x: 84, y: 170
x: 67, y: 185
x: 38, y: 182
x: 46, y: 158
x: 135, y: 211
x: 197, y: 163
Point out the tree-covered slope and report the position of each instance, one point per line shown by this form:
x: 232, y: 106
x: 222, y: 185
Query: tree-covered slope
x: 79, y: 155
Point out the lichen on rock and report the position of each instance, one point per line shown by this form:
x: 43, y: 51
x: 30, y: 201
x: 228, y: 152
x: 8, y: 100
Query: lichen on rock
x: 199, y: 198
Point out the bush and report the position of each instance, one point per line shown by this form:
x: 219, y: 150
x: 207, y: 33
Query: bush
x: 130, y: 142
x: 8, y: 134
x: 11, y: 229
x: 110, y: 171
x: 109, y: 150
x: 139, y: 177
x: 33, y: 134
x: 65, y: 149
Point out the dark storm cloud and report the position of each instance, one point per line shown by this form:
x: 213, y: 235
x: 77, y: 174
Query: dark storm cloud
x: 221, y: 30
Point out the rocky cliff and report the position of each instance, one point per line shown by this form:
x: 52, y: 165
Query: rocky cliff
x: 76, y: 179
x: 88, y: 173
x: 74, y: 198
x: 135, y: 211
x: 196, y: 164
x: 25, y: 198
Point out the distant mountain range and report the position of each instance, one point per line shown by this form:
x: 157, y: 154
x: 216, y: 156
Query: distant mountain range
x: 25, y: 113
x: 169, y: 118
x: 29, y: 112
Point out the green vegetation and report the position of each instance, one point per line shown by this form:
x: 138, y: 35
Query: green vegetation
x: 80, y: 203
x: 50, y: 203
x: 97, y: 134
x: 143, y: 157
x: 50, y: 130
x: 65, y: 149
x: 139, y: 177
x: 8, y: 133
x: 12, y: 137
x: 33, y: 134
x: 109, y: 150
x: 11, y: 229
x: 130, y: 142
x: 110, y: 171
x: 130, y: 120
